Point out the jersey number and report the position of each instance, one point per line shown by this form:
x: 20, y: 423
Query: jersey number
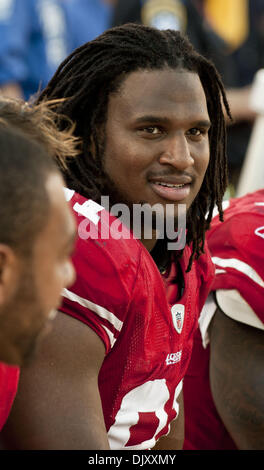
x: 142, y: 416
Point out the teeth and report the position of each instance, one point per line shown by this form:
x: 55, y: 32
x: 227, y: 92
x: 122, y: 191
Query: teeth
x: 169, y: 185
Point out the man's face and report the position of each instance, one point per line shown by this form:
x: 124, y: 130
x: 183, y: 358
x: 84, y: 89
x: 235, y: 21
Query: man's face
x: 28, y: 312
x: 157, y: 145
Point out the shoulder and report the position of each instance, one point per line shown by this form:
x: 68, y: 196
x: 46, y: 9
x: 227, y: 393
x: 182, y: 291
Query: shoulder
x: 108, y: 262
x: 103, y: 241
x: 243, y: 228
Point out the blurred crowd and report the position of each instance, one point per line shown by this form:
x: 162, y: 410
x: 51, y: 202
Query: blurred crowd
x: 36, y: 35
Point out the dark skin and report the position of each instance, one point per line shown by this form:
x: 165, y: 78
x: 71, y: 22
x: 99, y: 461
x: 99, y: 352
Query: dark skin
x: 164, y: 135
x: 80, y: 427
x: 237, y: 379
x: 72, y: 419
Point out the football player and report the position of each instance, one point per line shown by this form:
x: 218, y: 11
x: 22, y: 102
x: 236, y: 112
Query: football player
x: 149, y: 111
x: 35, y: 261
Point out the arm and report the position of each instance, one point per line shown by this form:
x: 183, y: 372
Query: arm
x: 236, y: 377
x: 58, y: 405
x: 174, y: 440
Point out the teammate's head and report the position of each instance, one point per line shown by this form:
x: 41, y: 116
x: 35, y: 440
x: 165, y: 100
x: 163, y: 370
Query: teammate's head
x: 40, y: 122
x: 36, y: 236
x: 99, y: 71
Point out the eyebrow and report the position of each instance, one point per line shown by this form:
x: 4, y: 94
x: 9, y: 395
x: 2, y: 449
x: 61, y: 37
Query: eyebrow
x: 150, y: 118
x: 203, y: 123
x: 158, y: 119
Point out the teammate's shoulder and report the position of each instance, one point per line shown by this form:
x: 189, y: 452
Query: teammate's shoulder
x: 243, y: 221
x: 237, y: 248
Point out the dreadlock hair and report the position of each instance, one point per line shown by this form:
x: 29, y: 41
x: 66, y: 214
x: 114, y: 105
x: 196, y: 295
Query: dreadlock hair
x: 98, y: 68
x: 39, y: 123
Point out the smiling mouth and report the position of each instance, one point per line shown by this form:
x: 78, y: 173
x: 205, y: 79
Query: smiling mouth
x: 171, y: 191
x: 168, y: 185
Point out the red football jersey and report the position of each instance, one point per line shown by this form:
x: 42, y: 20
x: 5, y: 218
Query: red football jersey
x: 237, y: 248
x: 146, y: 329
x: 9, y: 376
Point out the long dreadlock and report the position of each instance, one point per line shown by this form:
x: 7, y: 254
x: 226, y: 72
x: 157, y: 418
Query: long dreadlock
x: 97, y: 69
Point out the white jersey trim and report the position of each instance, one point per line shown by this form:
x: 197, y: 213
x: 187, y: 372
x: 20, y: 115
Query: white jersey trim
x: 235, y: 307
x: 205, y: 318
x: 100, y: 311
x: 111, y: 337
x: 239, y: 266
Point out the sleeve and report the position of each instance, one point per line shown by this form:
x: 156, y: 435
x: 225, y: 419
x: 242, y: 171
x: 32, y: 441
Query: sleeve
x: 235, y: 307
x: 14, y: 33
x: 205, y: 318
x: 103, y: 290
x: 237, y: 249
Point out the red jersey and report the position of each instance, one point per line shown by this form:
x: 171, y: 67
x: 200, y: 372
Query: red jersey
x: 239, y: 261
x: 237, y: 248
x: 146, y: 328
x: 9, y: 376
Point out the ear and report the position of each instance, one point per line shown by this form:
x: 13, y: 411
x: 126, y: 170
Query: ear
x: 9, y: 271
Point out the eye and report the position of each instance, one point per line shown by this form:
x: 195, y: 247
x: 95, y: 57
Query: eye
x: 195, y: 131
x: 150, y: 131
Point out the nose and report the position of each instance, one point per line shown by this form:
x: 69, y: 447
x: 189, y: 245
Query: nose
x: 176, y: 152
